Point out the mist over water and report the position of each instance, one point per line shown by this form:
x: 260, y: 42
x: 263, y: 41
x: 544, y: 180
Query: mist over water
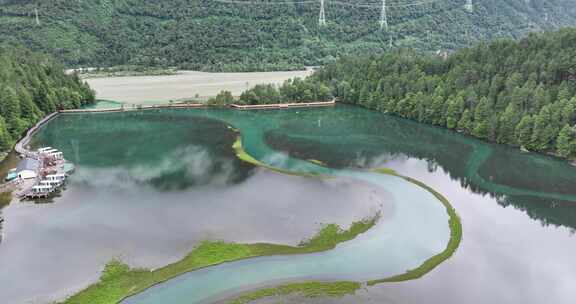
x: 150, y: 208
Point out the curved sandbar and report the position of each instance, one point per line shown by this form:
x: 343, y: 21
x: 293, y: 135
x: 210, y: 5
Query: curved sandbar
x: 314, y: 289
x: 118, y: 281
x: 347, y: 263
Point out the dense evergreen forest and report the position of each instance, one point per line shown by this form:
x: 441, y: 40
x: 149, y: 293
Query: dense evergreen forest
x: 31, y: 86
x: 292, y: 90
x: 261, y: 34
x: 520, y: 93
x: 517, y: 93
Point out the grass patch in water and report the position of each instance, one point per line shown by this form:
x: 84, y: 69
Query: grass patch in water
x: 317, y: 162
x: 243, y: 155
x: 386, y: 171
x: 119, y: 281
x: 306, y: 289
x: 312, y: 289
x: 455, y: 237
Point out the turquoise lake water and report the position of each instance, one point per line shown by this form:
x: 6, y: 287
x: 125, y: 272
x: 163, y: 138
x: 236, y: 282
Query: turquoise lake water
x: 151, y: 184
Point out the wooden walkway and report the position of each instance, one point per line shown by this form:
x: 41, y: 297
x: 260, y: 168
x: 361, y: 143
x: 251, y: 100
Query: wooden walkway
x: 201, y: 105
x: 138, y: 108
x: 284, y: 105
x: 21, y: 146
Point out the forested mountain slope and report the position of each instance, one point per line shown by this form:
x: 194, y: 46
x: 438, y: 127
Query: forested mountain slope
x: 520, y: 93
x: 261, y: 34
x: 31, y: 86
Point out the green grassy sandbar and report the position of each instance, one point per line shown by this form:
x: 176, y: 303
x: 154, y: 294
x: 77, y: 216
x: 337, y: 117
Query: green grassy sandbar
x: 119, y: 281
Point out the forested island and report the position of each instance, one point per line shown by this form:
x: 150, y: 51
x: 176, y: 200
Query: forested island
x: 261, y: 35
x: 31, y: 86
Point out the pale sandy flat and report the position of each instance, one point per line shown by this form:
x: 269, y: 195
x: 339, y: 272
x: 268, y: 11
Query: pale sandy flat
x: 185, y: 84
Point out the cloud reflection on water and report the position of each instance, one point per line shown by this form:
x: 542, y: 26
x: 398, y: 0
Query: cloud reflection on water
x: 52, y: 250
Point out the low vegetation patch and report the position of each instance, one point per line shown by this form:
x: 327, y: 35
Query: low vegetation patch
x: 455, y: 237
x: 306, y: 289
x: 317, y: 162
x: 5, y: 198
x: 243, y: 155
x: 119, y: 281
x: 334, y: 289
x: 124, y: 71
x: 385, y: 171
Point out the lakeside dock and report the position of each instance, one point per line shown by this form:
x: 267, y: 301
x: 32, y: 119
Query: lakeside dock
x: 40, y: 172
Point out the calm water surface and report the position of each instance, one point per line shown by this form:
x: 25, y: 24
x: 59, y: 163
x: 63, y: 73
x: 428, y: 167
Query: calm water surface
x: 150, y: 185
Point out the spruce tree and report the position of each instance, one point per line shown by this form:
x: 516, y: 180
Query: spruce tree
x: 523, y: 131
x: 566, y: 143
x: 465, y: 123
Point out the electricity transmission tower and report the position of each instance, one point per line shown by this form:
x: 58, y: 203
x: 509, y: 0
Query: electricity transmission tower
x: 322, y: 18
x: 469, y: 6
x: 36, y: 16
x: 383, y: 17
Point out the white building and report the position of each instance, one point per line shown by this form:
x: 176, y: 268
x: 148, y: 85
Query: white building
x: 27, y: 168
x: 41, y: 189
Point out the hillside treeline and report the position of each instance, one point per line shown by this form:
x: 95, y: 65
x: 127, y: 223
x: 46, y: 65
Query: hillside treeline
x: 31, y: 86
x: 292, y: 90
x: 258, y: 35
x: 519, y: 93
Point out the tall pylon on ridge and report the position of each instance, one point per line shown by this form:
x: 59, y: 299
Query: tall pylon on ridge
x: 36, y: 16
x: 469, y: 6
x: 322, y: 18
x: 383, y: 17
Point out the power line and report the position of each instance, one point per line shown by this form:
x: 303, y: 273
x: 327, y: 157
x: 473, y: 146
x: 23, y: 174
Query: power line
x: 388, y: 6
x: 322, y: 14
x: 266, y: 2
x: 342, y: 3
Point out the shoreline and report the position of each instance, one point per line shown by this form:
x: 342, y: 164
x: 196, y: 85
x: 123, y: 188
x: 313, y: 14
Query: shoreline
x: 21, y: 146
x: 120, y: 71
x: 201, y: 105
